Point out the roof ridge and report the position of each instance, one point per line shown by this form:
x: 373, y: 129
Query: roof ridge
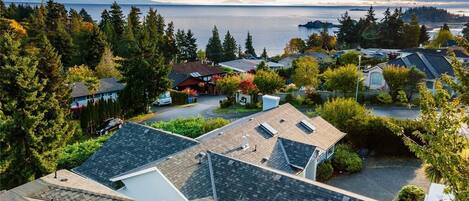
x: 428, y: 64
x: 283, y: 150
x: 79, y: 190
x: 212, y: 178
x: 312, y: 182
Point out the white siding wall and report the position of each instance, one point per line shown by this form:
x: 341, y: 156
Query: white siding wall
x: 151, y: 186
x: 80, y: 102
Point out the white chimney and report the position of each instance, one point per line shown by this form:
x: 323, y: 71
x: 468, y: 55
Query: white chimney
x: 245, y: 143
x: 269, y: 102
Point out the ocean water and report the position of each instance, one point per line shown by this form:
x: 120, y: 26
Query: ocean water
x: 271, y: 26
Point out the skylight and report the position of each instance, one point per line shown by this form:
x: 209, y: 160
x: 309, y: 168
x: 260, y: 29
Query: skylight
x: 267, y: 128
x: 195, y: 74
x: 308, y: 126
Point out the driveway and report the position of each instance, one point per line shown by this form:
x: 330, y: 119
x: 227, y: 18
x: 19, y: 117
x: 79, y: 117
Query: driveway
x: 205, y: 104
x: 395, y: 112
x: 382, y: 178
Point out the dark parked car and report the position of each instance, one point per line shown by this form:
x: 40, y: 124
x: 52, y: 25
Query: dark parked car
x: 109, y: 125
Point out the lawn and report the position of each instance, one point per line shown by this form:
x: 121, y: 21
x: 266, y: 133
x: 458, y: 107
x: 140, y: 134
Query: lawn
x: 236, y: 109
x: 191, y: 127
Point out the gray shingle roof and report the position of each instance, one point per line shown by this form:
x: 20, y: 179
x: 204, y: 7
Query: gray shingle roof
x: 298, y: 153
x: 132, y: 146
x: 246, y: 65
x: 237, y: 180
x: 106, y: 85
x: 432, y: 65
x: 66, y: 187
x: 203, y: 69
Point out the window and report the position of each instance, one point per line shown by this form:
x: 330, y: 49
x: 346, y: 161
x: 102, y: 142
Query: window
x: 376, y: 78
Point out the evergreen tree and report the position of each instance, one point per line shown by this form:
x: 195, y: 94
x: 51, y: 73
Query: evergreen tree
x: 229, y: 47
x: 423, y: 37
x: 2, y: 9
x: 214, y: 47
x: 347, y: 32
x: 191, y: 46
x: 465, y: 31
x: 170, y: 49
x: 37, y: 24
x: 146, y: 76
x: 249, y: 47
x: 86, y: 17
x: 240, y: 51
x: 152, y: 28
x: 370, y: 16
x: 93, y: 47
x: 445, y: 27
x: 105, y: 18
x: 117, y: 22
x: 384, y: 33
x: 134, y: 21
x: 181, y: 44
x: 264, y: 54
x: 56, y: 18
x: 411, y: 34
x: 75, y: 23
x: 32, y: 124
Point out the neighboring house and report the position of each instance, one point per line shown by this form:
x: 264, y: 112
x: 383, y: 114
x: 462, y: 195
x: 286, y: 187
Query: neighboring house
x: 373, y: 78
x: 195, y: 75
x: 378, y: 53
x: 108, y: 89
x: 436, y: 192
x: 319, y: 56
x: 433, y: 65
x: 64, y: 186
x: 460, y: 53
x: 270, y: 155
x: 248, y: 65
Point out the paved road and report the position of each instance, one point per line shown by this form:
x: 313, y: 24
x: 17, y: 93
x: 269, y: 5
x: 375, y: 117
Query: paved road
x: 395, y: 112
x: 382, y: 178
x: 204, y: 105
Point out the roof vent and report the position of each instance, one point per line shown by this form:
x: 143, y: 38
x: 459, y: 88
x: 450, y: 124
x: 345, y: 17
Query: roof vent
x: 200, y: 156
x: 265, y: 159
x: 277, y: 177
x: 345, y: 198
x: 245, y: 143
x: 282, y: 120
x: 230, y: 162
x: 267, y: 128
x: 146, y: 131
x: 63, y: 179
x: 308, y: 126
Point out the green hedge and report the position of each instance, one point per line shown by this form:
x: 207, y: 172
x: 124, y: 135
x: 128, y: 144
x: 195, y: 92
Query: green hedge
x: 345, y: 159
x: 367, y: 131
x: 411, y: 193
x: 178, y: 97
x: 325, y: 171
x: 191, y: 127
x: 75, y: 154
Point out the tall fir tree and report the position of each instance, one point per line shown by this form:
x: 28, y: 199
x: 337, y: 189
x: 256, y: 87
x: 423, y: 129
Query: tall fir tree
x: 370, y: 16
x: 37, y: 24
x: 424, y: 37
x: 347, y: 35
x: 249, y: 47
x: 169, y: 46
x: 32, y: 125
x: 264, y: 54
x: 118, y: 25
x: 56, y: 19
x: 106, y: 27
x: 191, y: 46
x: 229, y: 47
x: 2, y: 9
x: 181, y: 44
x: 86, y: 17
x: 411, y: 34
x: 240, y: 51
x: 214, y: 49
x: 93, y: 48
x: 75, y: 23
x: 152, y: 28
x: 134, y: 20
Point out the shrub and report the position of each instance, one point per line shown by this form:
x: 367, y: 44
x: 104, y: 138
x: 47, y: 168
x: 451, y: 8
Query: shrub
x: 401, y: 97
x: 384, y: 98
x: 226, y: 103
x: 325, y: 171
x: 345, y: 159
x: 340, y: 110
x: 190, y: 127
x: 75, y: 154
x: 411, y: 193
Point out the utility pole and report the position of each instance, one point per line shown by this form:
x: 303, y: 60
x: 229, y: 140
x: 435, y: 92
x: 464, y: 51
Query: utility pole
x: 358, y: 76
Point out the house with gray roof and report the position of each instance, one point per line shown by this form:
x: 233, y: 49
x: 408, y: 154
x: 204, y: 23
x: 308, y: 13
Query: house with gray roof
x: 132, y: 146
x: 248, y: 65
x: 62, y: 185
x: 270, y: 155
x: 108, y: 89
x: 433, y: 65
x: 319, y: 56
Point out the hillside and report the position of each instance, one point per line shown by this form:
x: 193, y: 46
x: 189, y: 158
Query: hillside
x: 433, y: 15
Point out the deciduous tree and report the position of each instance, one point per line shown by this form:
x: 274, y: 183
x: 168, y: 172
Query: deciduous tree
x: 343, y: 79
x: 306, y: 72
x: 268, y: 82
